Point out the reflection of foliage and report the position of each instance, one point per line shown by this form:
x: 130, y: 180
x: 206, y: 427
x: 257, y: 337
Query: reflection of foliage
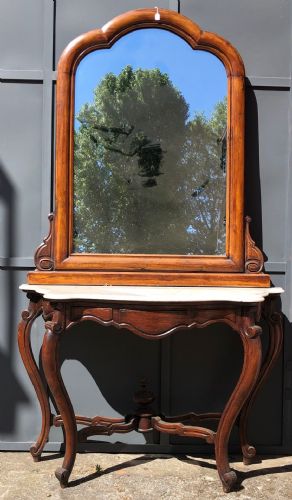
x: 136, y: 135
x: 205, y: 156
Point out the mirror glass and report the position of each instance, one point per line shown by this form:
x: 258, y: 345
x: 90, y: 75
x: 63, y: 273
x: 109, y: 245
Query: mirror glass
x: 150, y: 148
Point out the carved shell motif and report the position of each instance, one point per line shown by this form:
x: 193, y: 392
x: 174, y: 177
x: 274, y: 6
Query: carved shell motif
x: 254, y: 259
x: 43, y: 255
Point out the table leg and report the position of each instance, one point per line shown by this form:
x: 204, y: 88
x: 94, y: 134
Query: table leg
x: 249, y: 334
x: 24, y: 343
x: 274, y: 320
x: 51, y: 365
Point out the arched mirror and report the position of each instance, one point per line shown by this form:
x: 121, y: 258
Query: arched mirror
x: 150, y: 148
x: 149, y: 176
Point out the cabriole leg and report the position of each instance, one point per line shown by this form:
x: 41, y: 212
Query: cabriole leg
x: 251, y: 365
x: 274, y: 320
x: 51, y: 366
x: 24, y: 343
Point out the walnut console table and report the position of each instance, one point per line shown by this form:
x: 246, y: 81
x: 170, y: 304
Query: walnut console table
x: 152, y: 313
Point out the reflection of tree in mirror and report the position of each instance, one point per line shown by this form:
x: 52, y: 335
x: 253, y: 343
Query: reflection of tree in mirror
x: 146, y: 178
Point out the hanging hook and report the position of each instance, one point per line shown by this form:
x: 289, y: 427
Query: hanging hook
x: 157, y: 15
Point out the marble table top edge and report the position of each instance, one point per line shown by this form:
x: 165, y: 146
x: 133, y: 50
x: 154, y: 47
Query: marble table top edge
x: 152, y: 294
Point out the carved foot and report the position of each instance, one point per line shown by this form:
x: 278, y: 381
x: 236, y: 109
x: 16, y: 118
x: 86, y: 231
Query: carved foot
x: 229, y: 481
x: 249, y: 333
x: 63, y: 476
x: 249, y: 453
x: 35, y: 453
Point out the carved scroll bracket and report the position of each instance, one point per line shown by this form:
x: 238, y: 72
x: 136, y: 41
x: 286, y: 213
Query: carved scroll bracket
x: 253, y: 331
x: 54, y: 316
x: 254, y: 260
x: 246, y: 324
x: 43, y: 257
x: 34, y: 306
x: 271, y: 313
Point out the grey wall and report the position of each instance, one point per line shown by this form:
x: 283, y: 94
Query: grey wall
x: 32, y: 36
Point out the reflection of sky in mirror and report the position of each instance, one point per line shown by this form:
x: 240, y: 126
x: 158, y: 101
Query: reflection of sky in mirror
x: 199, y: 75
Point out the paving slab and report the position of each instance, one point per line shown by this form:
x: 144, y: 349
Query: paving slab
x: 140, y: 477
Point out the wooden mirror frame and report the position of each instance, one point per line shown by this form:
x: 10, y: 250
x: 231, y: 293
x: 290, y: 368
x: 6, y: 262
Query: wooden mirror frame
x: 243, y: 262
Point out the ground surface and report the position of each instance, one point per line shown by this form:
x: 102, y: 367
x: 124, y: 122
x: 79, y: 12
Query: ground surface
x: 140, y: 477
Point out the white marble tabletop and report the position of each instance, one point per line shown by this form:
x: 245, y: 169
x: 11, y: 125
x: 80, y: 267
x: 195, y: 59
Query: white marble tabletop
x: 152, y: 293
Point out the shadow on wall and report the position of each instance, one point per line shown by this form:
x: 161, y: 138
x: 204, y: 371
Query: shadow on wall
x: 13, y: 392
x: 105, y: 370
x: 109, y: 364
x: 104, y: 367
x: 265, y: 415
x: 252, y: 195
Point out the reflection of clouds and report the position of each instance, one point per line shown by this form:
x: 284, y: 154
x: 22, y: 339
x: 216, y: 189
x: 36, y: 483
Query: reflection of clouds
x: 191, y: 229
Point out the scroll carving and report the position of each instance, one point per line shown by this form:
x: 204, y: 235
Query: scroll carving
x: 54, y: 316
x: 33, y: 307
x: 43, y: 257
x: 254, y: 259
x: 247, y: 322
x: 271, y: 314
x: 253, y: 331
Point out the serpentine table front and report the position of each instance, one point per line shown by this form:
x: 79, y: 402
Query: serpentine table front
x: 152, y: 313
